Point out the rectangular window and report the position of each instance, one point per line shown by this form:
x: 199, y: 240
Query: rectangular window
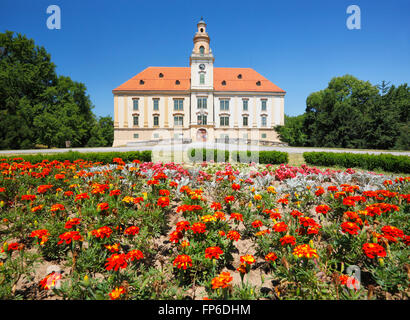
x: 263, y: 121
x: 224, y: 104
x: 263, y: 105
x: 156, y: 135
x: 135, y: 104
x: 245, y: 121
x: 245, y: 105
x: 135, y: 120
x: 156, y: 121
x: 201, y: 103
x: 178, y: 120
x: 224, y: 121
x: 202, y: 119
x: 136, y: 135
x: 263, y: 135
x: 156, y: 104
x: 178, y: 104
x: 202, y: 78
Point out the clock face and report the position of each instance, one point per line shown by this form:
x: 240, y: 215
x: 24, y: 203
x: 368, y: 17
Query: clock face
x: 202, y: 66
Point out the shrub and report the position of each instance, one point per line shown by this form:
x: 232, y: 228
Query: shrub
x: 208, y: 155
x: 386, y: 162
x: 264, y: 157
x: 104, y: 157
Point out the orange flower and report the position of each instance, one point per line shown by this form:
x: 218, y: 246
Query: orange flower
x: 222, y: 281
x: 44, y: 188
x: 117, y: 293
x: 323, y: 208
x: 115, y: 192
x: 350, y: 227
x: 183, y: 261
x: 391, y: 233
x: 304, y: 250
x: 229, y: 199
x: 164, y: 192
x: 41, y: 234
x: 288, y: 239
x: 237, y: 216
x: 182, y: 226
x: 37, y: 208
x: 271, y: 256
x: 216, y: 206
x: 242, y: 268
x: 57, y: 207
x: 29, y: 197
x: 213, y: 252
x: 236, y: 186
x: 81, y: 196
x: 248, y: 258
x: 175, y: 236
x: 219, y: 215
x: 257, y: 224
x: 113, y: 247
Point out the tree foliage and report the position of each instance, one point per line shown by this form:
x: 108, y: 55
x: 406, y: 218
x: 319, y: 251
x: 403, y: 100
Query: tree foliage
x: 351, y: 113
x: 39, y: 107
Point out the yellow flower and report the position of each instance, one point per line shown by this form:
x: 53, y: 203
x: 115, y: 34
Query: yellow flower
x: 145, y: 195
x: 271, y: 189
x: 252, y: 189
x: 128, y: 199
x: 257, y: 197
x: 208, y: 218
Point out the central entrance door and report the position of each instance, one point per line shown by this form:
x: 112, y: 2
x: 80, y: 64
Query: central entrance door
x: 201, y: 135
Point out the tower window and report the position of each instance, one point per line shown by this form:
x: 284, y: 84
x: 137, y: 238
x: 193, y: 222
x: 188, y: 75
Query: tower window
x: 224, y: 121
x: 202, y: 78
x: 156, y: 121
x: 202, y: 119
x: 264, y: 118
x: 161, y: 75
x: 201, y: 50
x: 135, y: 104
x: 135, y: 120
x: 224, y: 83
x: 202, y: 29
x: 245, y: 105
x: 178, y: 120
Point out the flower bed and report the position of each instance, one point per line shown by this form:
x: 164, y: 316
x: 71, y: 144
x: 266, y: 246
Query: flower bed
x: 83, y: 230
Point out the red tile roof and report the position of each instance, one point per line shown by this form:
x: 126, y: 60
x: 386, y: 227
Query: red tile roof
x: 166, y: 78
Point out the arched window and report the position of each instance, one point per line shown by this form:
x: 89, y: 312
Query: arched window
x: 201, y: 50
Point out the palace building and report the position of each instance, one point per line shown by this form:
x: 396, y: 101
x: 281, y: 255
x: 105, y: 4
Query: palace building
x: 197, y: 103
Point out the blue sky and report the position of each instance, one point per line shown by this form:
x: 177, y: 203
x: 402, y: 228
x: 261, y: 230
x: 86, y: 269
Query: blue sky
x: 298, y: 45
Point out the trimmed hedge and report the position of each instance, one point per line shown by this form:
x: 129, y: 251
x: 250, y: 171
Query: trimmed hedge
x: 264, y: 157
x: 385, y: 162
x: 208, y: 155
x: 104, y: 157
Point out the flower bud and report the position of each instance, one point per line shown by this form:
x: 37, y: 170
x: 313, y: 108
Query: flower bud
x: 381, y: 262
x: 86, y: 281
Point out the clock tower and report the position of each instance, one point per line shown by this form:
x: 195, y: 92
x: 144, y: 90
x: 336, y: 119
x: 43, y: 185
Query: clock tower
x: 201, y: 60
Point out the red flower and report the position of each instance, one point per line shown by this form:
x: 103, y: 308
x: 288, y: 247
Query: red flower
x: 283, y: 200
x: 213, y: 252
x: 69, y: 236
x: 237, y: 216
x: 72, y: 222
x: 183, y: 261
x: 229, y: 199
x: 373, y: 250
x: 257, y: 224
x: 391, y: 233
x: 233, y: 235
x: 163, y: 202
x: 323, y: 208
x: 236, y: 186
x: 175, y: 236
x: 81, y: 196
x: 248, y: 258
x: 164, y: 192
x: 222, y: 281
x: 103, y: 232
x: 116, y: 261
x: 68, y: 193
x: 133, y: 230
x: 182, y: 226
x: 29, y: 197
x: 135, y: 255
x: 288, y: 239
x: 216, y: 206
x: 116, y: 192
x: 350, y: 227
x: 44, y: 188
x: 319, y: 191
x: 280, y: 227
x: 198, y: 227
x: 103, y: 206
x: 41, y: 234
x: 296, y: 213
x: 117, y: 292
